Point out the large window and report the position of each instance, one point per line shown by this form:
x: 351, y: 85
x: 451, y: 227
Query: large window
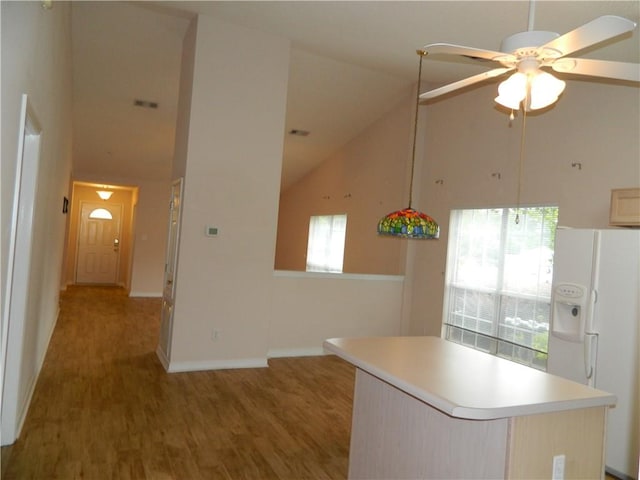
x: 325, y: 250
x: 498, y: 281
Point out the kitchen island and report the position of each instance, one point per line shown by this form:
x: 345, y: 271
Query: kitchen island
x: 425, y: 407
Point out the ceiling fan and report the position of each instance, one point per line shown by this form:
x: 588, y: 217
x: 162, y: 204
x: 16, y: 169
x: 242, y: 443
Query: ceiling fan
x: 528, y: 53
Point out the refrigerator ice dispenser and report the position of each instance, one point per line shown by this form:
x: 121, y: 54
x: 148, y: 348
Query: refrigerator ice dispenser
x: 569, y: 311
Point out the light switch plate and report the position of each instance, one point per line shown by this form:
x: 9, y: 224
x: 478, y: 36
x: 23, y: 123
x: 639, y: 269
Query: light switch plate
x: 558, y: 467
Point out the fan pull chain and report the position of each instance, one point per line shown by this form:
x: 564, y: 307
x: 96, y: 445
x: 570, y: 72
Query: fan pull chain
x: 522, y: 137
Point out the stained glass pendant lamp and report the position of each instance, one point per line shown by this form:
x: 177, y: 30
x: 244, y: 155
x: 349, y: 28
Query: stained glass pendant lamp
x: 410, y: 223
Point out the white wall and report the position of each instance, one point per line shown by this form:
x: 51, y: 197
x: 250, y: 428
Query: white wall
x: 467, y: 140
x: 308, y: 308
x: 233, y: 164
x: 36, y: 60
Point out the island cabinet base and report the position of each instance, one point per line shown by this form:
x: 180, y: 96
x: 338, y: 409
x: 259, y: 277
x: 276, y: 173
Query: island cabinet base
x: 396, y: 436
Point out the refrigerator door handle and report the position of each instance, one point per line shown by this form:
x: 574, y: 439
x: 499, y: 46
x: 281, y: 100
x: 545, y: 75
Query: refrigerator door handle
x: 590, y: 352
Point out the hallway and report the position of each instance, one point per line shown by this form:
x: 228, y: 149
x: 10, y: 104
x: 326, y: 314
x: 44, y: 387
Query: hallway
x: 105, y: 408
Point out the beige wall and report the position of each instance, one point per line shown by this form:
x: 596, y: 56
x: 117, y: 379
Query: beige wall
x: 308, y: 308
x: 468, y: 139
x: 36, y: 60
x: 150, y: 238
x: 232, y: 182
x: 179, y: 166
x: 366, y: 179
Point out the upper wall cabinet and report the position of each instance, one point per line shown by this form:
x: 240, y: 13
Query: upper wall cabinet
x: 625, y: 207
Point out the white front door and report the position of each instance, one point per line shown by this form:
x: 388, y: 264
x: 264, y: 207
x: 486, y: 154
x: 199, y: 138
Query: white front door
x: 98, y: 244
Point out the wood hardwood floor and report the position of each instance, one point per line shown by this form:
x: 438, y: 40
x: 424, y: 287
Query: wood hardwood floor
x: 105, y: 408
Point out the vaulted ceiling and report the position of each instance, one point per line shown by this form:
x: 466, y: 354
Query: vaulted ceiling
x: 351, y: 62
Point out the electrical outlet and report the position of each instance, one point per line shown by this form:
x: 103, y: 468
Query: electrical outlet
x: 215, y: 334
x: 558, y: 467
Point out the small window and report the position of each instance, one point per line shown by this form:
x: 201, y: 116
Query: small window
x: 325, y: 250
x: 498, y: 281
x: 101, y: 213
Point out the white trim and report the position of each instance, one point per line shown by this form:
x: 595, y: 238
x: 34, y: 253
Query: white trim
x: 146, y: 294
x: 45, y: 350
x: 337, y: 276
x: 32, y: 387
x: 176, y: 367
x: 21, y: 416
x: 16, y: 307
x: 296, y: 352
x: 163, y: 358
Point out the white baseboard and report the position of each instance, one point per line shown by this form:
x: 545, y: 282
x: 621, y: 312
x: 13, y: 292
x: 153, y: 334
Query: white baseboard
x: 22, y: 416
x: 295, y: 352
x: 146, y: 294
x: 176, y: 367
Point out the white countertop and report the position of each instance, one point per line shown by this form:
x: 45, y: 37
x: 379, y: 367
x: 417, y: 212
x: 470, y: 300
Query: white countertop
x: 463, y: 382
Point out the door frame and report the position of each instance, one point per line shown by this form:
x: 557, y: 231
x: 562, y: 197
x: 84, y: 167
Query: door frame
x: 163, y: 350
x: 15, y: 310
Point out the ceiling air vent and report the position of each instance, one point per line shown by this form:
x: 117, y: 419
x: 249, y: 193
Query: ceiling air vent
x: 145, y: 103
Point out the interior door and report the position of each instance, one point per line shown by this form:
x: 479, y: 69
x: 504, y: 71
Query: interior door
x: 98, y: 244
x: 171, y: 262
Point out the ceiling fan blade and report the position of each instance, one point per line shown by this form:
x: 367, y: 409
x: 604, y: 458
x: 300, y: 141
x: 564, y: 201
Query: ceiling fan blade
x: 596, y: 31
x: 598, y: 68
x: 470, y: 52
x: 462, y: 83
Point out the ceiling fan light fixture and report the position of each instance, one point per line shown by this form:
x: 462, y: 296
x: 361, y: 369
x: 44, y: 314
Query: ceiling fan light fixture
x: 510, y: 103
x: 545, y: 90
x: 512, y: 91
x: 542, y: 88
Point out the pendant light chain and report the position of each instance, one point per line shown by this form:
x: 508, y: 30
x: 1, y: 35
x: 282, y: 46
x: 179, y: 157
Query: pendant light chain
x: 421, y: 54
x: 410, y: 223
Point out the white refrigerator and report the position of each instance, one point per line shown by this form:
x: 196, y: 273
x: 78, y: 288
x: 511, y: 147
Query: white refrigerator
x: 594, y: 335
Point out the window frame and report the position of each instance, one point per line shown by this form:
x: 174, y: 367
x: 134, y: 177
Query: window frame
x: 337, y: 235
x: 502, y: 336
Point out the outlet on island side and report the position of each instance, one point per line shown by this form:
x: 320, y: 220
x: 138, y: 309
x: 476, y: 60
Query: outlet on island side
x: 558, y: 467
